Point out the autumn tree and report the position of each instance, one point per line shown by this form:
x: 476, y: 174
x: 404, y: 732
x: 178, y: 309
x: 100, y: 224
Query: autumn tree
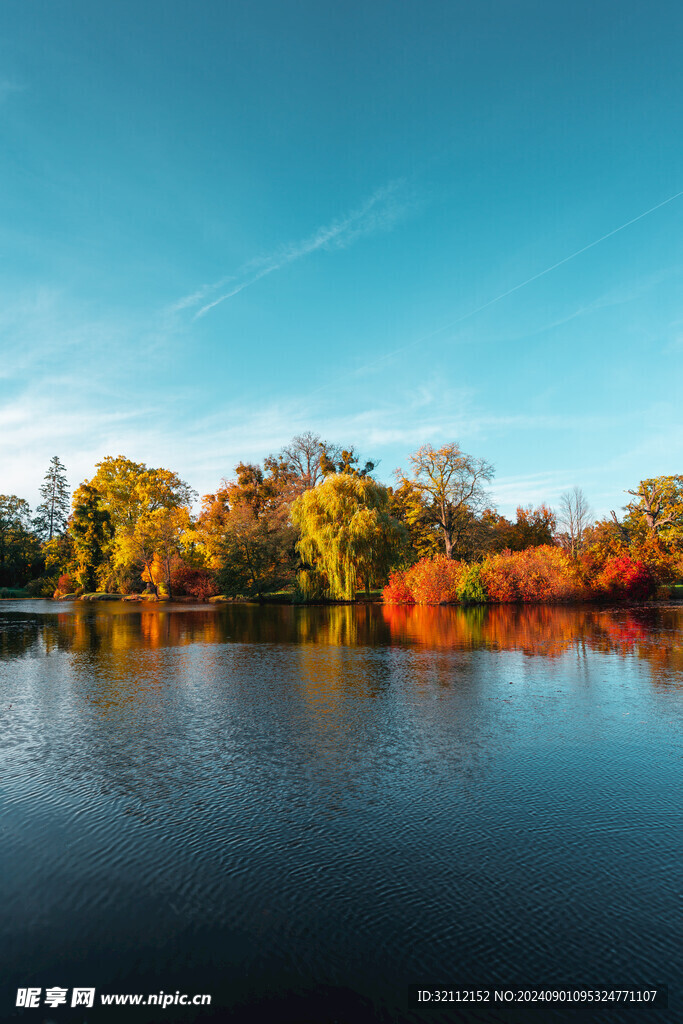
x: 574, y: 518
x: 303, y: 455
x: 137, y: 498
x: 19, y: 548
x: 406, y: 504
x: 52, y: 514
x: 251, y: 528
x: 451, y: 487
x: 347, y: 533
x: 534, y: 527
x: 91, y: 529
x: 658, y: 508
x: 345, y: 462
x: 130, y: 489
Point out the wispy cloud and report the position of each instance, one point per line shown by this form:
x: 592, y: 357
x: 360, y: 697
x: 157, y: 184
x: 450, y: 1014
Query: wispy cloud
x: 379, y: 212
x: 423, y: 339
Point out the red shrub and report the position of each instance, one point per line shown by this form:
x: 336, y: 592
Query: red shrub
x: 625, y: 579
x: 197, y: 583
x: 65, y: 584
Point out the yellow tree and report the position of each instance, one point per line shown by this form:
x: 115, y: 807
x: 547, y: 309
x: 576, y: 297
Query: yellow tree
x: 132, y: 494
x: 153, y: 543
x: 451, y: 487
x: 347, y: 532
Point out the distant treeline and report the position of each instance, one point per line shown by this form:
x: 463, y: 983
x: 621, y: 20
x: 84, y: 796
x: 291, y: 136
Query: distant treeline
x: 312, y: 522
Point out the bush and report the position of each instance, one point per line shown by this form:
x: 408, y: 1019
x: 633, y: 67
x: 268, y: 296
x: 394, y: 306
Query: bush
x: 540, y: 574
x: 624, y: 578
x: 472, y: 588
x: 44, y: 586
x: 66, y: 584
x: 199, y: 583
x: 397, y: 590
x: 436, y: 580
x: 430, y: 581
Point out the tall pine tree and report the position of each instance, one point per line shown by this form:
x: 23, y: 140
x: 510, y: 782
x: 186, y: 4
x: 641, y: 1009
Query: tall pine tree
x: 52, y: 514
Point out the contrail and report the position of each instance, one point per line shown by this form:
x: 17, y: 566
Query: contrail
x: 516, y: 288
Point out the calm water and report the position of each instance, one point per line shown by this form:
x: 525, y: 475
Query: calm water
x: 303, y: 812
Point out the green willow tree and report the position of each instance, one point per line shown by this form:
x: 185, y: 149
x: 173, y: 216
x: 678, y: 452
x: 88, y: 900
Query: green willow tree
x: 347, y: 534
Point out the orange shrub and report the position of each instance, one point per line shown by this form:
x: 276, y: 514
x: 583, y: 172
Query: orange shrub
x: 436, y: 580
x: 545, y: 573
x: 397, y: 590
x: 430, y: 581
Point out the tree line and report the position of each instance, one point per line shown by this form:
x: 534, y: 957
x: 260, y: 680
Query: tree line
x: 313, y: 521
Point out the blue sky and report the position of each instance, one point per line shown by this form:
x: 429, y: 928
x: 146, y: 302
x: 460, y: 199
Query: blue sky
x: 222, y: 224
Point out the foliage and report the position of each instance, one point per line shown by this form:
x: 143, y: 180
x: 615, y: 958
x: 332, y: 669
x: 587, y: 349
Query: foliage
x: 310, y: 586
x: 406, y: 505
x: 397, y: 590
x: 20, y: 556
x: 59, y: 554
x: 605, y: 539
x: 347, y: 533
x: 659, y: 508
x: 129, y: 490
x: 543, y: 573
x: 345, y: 462
x: 534, y: 527
x: 436, y: 580
x: 471, y: 589
x: 91, y: 530
x: 66, y: 584
x: 41, y: 586
x: 450, y: 485
x: 51, y: 515
x: 257, y: 554
x: 148, y: 511
x: 199, y: 583
x: 625, y: 578
x: 250, y: 530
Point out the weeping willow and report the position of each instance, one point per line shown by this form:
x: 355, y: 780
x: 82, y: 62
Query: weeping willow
x: 347, y: 534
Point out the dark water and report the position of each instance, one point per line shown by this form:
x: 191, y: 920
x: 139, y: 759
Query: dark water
x: 304, y: 812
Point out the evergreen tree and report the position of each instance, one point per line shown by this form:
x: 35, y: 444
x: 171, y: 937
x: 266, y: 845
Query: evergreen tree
x: 52, y: 514
x: 91, y: 529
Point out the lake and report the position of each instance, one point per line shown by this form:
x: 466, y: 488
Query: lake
x: 311, y: 813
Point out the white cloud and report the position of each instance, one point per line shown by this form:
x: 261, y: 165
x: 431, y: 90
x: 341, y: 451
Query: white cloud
x: 379, y: 212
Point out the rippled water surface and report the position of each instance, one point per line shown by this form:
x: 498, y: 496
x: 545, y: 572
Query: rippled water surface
x: 305, y: 811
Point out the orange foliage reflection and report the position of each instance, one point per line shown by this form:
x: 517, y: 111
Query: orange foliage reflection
x: 541, y: 630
